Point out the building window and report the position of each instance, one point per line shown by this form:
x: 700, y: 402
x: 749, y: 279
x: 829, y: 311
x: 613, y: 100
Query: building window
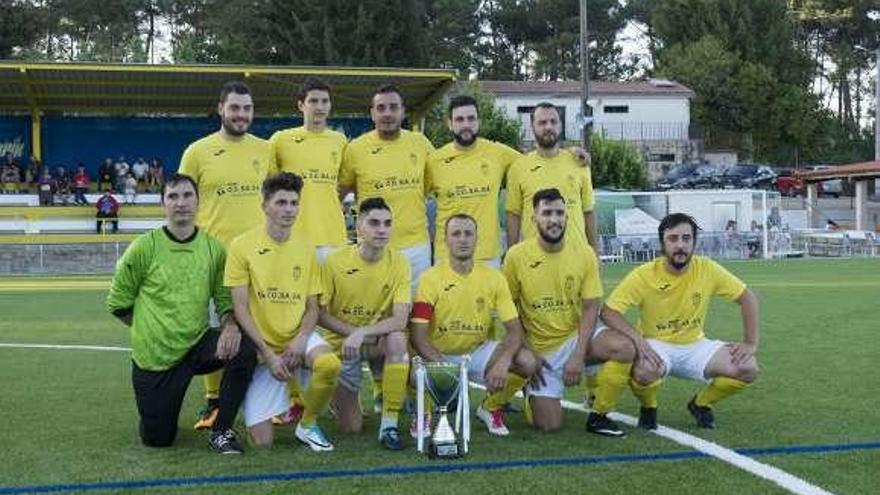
x: 616, y: 109
x: 525, y: 118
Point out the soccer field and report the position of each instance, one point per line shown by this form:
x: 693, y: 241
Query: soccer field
x: 70, y: 424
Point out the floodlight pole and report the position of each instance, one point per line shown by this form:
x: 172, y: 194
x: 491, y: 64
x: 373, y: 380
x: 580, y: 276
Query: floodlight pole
x: 586, y: 110
x: 877, y: 108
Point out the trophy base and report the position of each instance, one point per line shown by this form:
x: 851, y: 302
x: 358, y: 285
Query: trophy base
x: 444, y: 450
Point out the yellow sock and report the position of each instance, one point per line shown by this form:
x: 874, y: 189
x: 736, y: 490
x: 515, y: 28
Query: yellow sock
x: 719, y: 388
x: 611, y: 380
x: 496, y: 400
x: 589, y: 385
x: 377, y: 387
x: 647, y: 394
x: 295, y: 392
x: 394, y: 379
x: 212, y: 384
x: 322, y: 384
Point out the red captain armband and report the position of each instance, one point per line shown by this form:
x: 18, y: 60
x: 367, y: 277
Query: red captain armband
x: 422, y: 312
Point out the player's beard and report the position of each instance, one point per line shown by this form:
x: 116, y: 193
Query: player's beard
x: 679, y: 265
x: 547, y: 140
x: 463, y: 141
x: 551, y: 239
x: 230, y: 128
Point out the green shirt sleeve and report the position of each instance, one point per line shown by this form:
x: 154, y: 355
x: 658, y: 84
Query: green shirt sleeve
x: 130, y: 271
x: 221, y: 294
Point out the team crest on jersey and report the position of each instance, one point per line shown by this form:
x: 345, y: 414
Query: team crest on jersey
x: 334, y: 156
x: 256, y: 165
x: 484, y: 167
x: 413, y: 159
x: 569, y: 283
x: 386, y: 288
x: 696, y: 299
x: 481, y: 304
x: 570, y: 179
x: 297, y: 272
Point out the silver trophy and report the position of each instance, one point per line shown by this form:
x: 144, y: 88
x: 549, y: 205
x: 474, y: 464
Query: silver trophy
x: 446, y: 383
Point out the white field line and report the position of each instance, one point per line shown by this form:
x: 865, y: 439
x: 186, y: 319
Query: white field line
x: 65, y: 347
x: 781, y: 478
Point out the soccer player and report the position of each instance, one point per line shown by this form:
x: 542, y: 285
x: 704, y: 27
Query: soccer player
x: 549, y: 166
x: 465, y: 176
x: 672, y: 295
x: 275, y: 282
x: 390, y: 162
x: 161, y: 289
x: 228, y: 167
x: 554, y: 281
x: 364, y: 308
x: 453, y: 315
x: 314, y: 152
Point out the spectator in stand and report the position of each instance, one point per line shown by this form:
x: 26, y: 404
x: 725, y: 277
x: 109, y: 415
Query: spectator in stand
x: 63, y: 186
x: 46, y: 188
x: 156, y: 176
x: 130, y: 185
x: 140, y: 168
x: 122, y: 169
x: 9, y: 176
x: 108, y: 211
x: 34, y: 172
x: 106, y: 175
x: 80, y: 185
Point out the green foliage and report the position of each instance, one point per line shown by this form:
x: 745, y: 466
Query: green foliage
x: 494, y: 123
x: 616, y: 164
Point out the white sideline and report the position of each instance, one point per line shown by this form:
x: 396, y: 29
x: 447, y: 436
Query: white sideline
x: 781, y: 478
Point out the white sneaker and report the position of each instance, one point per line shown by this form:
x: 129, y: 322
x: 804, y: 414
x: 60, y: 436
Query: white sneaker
x: 413, y: 427
x: 494, y: 421
x: 314, y: 437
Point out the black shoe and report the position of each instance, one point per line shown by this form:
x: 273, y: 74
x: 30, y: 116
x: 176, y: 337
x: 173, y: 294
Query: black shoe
x: 509, y: 407
x: 601, y: 425
x: 390, y: 439
x: 225, y: 442
x: 648, y: 418
x: 704, y: 416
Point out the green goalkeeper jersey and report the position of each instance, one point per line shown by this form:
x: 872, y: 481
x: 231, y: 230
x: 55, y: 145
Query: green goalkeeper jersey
x: 165, y: 284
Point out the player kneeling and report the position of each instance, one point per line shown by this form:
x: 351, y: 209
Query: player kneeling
x: 364, y: 306
x: 453, y: 314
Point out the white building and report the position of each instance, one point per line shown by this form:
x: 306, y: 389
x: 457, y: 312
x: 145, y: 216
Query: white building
x: 654, y: 115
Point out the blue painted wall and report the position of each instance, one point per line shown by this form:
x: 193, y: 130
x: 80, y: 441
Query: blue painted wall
x: 15, y: 137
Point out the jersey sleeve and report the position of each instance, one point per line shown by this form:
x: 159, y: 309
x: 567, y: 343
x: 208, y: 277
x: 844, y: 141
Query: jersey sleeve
x: 274, y: 159
x: 429, y: 175
x: 189, y: 164
x: 402, y: 290
x: 504, y: 301
x: 507, y: 155
x: 588, y: 201
x: 328, y: 284
x: 726, y: 284
x: 221, y: 294
x: 237, y: 271
x: 347, y: 176
x: 591, y: 288
x: 626, y: 295
x: 509, y: 271
x: 130, y: 272
x: 513, y: 193
x: 426, y: 297
x: 314, y: 275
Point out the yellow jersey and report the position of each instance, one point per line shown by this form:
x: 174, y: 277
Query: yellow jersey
x: 280, y: 277
x: 229, y: 175
x: 394, y: 170
x: 469, y: 181
x: 532, y: 172
x: 362, y: 293
x: 459, y: 309
x: 672, y: 308
x: 549, y: 290
x: 316, y: 157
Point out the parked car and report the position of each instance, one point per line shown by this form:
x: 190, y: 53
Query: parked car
x: 747, y: 176
x: 677, y: 177
x: 703, y: 177
x: 789, y: 183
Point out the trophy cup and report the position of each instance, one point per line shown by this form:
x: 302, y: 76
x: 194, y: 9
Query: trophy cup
x: 446, y: 383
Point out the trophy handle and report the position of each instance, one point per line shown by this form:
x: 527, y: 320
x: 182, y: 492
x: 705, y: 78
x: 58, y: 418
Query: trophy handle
x: 420, y: 405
